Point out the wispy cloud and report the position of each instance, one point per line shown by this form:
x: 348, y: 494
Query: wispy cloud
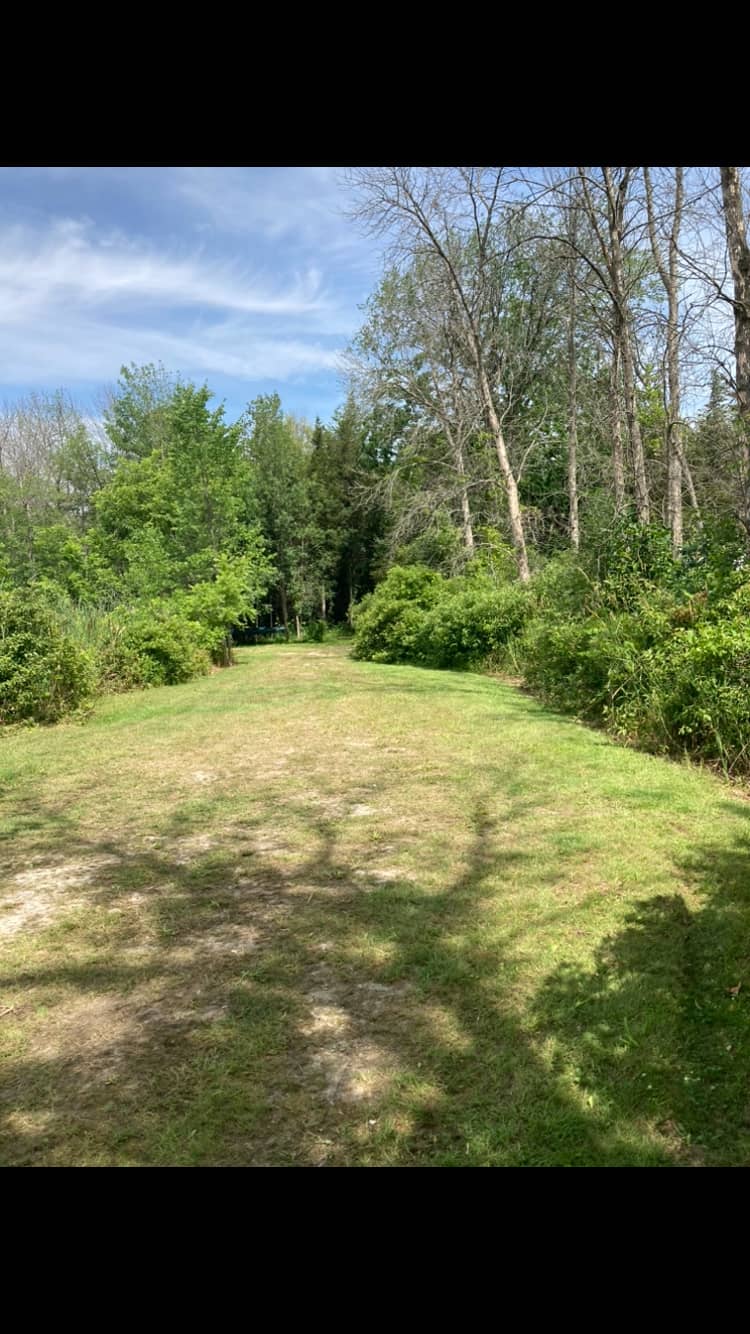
x: 69, y: 263
x: 303, y: 204
x: 253, y: 275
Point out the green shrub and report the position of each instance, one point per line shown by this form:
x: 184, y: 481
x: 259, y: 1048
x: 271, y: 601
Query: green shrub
x: 44, y: 674
x: 472, y: 624
x: 389, y: 622
x: 160, y: 646
x: 315, y: 632
x: 643, y: 652
x: 591, y: 664
x: 224, y: 602
x: 633, y: 556
x: 695, y: 695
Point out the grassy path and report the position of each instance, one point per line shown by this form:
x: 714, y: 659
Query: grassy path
x: 313, y: 911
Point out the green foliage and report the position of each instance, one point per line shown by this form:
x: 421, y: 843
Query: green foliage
x: 137, y: 415
x: 315, y: 632
x: 390, y: 622
x: 631, y: 556
x: 637, y: 652
x: 671, y: 675
x: 440, y: 546
x: 161, y: 646
x: 472, y: 624
x: 230, y: 598
x: 416, y: 615
x: 44, y: 674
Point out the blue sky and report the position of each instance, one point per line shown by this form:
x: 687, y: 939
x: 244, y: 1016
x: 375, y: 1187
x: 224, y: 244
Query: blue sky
x: 247, y: 277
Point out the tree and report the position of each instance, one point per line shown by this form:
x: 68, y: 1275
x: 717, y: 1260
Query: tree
x: 136, y: 415
x: 279, y: 469
x: 438, y: 211
x: 739, y: 257
x: 620, y: 268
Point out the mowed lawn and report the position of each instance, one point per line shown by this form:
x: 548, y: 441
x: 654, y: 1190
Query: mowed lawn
x: 319, y: 912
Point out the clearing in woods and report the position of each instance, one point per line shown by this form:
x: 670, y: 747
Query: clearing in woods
x: 315, y: 911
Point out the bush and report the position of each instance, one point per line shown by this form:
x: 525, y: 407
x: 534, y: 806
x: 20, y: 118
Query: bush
x: 43, y: 672
x: 160, y: 646
x: 472, y: 624
x: 315, y: 632
x: 389, y: 623
x: 655, y: 650
x: 695, y: 695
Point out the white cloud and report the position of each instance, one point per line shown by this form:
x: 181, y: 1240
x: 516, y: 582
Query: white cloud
x: 252, y: 275
x: 88, y: 351
x: 69, y: 264
x: 305, y: 207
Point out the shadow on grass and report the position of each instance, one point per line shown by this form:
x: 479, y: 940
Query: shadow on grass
x: 266, y: 1000
x: 661, y: 1027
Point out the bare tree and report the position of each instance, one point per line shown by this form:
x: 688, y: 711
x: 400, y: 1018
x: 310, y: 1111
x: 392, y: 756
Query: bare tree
x: 452, y: 215
x: 408, y: 351
x: 619, y: 271
x: 739, y: 258
x: 669, y: 273
x: 575, y: 536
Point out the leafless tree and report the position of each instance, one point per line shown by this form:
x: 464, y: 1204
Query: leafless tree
x: 739, y: 258
x: 606, y: 194
x: 451, y: 214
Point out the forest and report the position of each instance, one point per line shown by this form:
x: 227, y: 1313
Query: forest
x: 541, y: 467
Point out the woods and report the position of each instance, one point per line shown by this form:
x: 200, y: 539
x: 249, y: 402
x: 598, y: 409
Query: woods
x: 548, y: 390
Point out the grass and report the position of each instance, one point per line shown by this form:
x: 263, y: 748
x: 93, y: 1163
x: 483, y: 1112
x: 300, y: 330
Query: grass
x: 313, y: 911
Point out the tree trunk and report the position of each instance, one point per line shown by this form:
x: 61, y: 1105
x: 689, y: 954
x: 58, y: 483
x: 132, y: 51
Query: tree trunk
x: 575, y: 537
x: 511, y: 487
x: 739, y: 257
x: 466, y: 524
x: 624, y: 335
x: 284, y: 608
x: 674, y: 450
x: 322, y: 604
x: 634, y: 427
x: 298, y: 627
x: 688, y: 477
x: 618, y: 465
x: 670, y: 278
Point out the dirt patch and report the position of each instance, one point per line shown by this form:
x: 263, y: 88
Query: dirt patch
x: 101, y: 1039
x: 39, y: 895
x: 355, y: 1066
x: 189, y: 849
x: 386, y: 875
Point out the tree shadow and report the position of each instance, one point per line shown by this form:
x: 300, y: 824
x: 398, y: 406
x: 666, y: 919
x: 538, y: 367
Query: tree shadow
x: 659, y: 1029
x: 276, y: 994
x: 262, y: 1010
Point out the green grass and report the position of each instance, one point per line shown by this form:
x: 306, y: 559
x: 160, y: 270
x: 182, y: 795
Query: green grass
x: 313, y: 911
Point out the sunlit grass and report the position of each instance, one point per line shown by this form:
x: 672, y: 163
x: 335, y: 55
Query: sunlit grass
x: 317, y: 911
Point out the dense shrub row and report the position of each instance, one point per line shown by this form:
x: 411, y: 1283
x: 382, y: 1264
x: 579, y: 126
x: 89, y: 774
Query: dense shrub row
x: 57, y: 652
x: 655, y: 650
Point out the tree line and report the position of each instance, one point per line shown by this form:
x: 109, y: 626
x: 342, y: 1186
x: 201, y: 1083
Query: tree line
x: 563, y: 348
x: 147, y: 500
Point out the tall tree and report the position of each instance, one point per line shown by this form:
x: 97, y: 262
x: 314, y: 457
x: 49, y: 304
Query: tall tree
x: 440, y: 210
x: 620, y: 268
x: 739, y: 258
x: 276, y: 453
x: 668, y: 270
